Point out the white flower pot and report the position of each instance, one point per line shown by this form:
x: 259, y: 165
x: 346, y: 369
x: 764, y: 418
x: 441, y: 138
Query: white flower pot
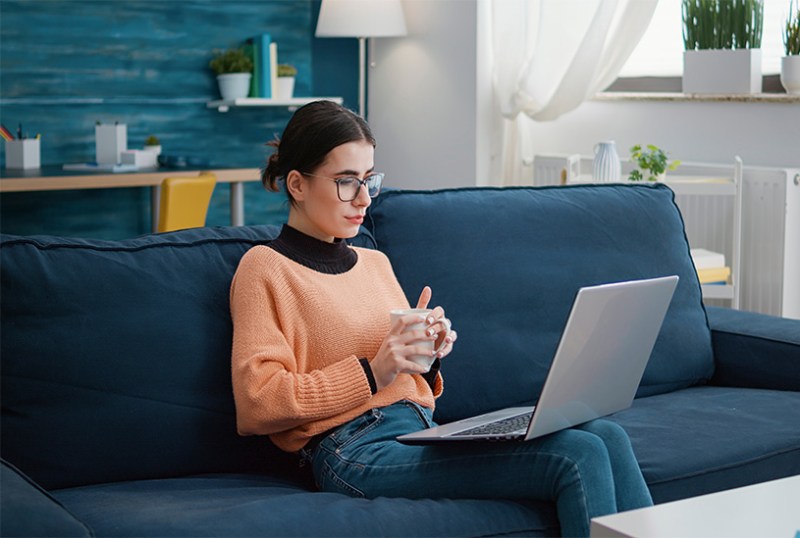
x: 234, y: 85
x: 722, y: 71
x: 155, y: 149
x: 790, y: 74
x: 285, y: 87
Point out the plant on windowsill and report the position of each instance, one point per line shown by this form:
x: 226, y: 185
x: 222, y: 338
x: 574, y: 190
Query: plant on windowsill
x: 790, y: 64
x: 233, y: 68
x: 652, y: 162
x: 722, y: 41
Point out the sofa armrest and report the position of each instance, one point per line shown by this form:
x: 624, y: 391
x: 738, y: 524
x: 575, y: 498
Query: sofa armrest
x: 28, y: 510
x: 754, y: 350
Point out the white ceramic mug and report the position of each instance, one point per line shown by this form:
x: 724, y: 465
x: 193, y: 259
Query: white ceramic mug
x: 422, y: 360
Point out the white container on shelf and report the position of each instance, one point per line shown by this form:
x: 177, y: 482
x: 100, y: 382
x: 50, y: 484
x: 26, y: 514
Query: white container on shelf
x: 606, y: 165
x: 234, y: 85
x: 110, y: 142
x: 140, y: 158
x: 790, y: 74
x: 24, y: 153
x: 722, y: 71
x: 285, y: 87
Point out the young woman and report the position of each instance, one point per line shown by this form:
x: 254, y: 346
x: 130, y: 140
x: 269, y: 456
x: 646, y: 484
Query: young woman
x: 318, y: 366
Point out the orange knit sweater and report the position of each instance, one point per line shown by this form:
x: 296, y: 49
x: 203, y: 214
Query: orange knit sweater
x: 297, y: 337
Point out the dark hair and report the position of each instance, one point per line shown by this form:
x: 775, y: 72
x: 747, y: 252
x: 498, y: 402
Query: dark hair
x: 313, y: 131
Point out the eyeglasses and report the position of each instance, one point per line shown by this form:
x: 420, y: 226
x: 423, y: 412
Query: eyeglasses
x: 347, y: 188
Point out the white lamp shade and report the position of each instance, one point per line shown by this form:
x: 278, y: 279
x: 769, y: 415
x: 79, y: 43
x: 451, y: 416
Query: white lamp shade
x: 361, y: 18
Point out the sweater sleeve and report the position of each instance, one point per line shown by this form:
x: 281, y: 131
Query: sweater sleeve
x: 271, y: 396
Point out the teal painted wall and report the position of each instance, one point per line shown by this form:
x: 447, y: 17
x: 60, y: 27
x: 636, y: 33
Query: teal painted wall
x: 66, y: 65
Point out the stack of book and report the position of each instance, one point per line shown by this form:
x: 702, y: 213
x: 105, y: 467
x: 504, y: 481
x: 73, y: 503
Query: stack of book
x: 264, y: 54
x: 710, y: 266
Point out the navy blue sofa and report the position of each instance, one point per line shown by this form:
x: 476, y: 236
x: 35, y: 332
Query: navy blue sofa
x: 117, y: 409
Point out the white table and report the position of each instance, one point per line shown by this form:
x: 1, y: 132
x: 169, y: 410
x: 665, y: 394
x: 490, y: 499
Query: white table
x: 769, y: 509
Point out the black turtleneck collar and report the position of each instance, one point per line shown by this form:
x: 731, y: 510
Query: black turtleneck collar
x: 330, y: 258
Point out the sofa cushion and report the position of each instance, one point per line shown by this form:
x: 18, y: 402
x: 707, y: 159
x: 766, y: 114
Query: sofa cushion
x: 28, y: 510
x: 116, y: 357
x: 262, y: 506
x: 705, y: 439
x: 506, y: 265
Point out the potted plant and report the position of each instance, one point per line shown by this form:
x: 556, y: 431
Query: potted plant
x: 234, y: 69
x: 286, y: 74
x: 652, y: 162
x: 722, y: 40
x: 790, y: 64
x: 153, y: 144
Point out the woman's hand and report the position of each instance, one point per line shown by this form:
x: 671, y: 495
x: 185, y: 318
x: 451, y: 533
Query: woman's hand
x: 392, y: 358
x: 437, y: 318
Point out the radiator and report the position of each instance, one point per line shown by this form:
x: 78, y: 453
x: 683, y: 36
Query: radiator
x: 770, y: 263
x: 769, y: 252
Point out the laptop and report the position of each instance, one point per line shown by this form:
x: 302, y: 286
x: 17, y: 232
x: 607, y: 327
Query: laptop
x: 597, y: 368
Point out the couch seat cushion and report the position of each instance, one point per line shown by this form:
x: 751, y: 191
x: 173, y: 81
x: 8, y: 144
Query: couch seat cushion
x: 28, y: 510
x: 706, y: 439
x: 250, y: 505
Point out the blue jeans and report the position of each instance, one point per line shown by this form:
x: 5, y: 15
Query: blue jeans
x: 588, y: 471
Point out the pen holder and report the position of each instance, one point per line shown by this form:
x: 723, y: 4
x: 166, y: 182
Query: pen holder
x: 23, y: 153
x: 110, y: 142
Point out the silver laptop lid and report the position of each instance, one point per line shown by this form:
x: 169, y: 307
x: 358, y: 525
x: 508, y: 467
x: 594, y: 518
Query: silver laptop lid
x: 604, y: 349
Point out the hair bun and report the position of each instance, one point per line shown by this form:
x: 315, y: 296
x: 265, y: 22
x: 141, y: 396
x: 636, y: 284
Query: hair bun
x: 272, y: 172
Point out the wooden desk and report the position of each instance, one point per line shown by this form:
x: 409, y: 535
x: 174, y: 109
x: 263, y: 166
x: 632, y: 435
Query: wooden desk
x: 53, y: 178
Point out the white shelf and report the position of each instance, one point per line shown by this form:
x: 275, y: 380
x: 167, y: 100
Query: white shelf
x: 717, y: 291
x: 713, y: 183
x: 697, y: 185
x: 223, y: 105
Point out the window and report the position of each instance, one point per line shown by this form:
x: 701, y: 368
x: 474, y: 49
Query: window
x: 660, y: 52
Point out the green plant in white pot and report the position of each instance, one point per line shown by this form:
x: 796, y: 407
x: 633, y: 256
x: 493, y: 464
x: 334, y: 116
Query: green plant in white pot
x: 152, y: 143
x: 286, y: 76
x: 790, y: 64
x: 722, y: 40
x: 652, y: 163
x: 234, y: 69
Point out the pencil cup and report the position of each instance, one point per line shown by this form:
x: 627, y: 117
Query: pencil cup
x: 23, y: 153
x: 110, y: 142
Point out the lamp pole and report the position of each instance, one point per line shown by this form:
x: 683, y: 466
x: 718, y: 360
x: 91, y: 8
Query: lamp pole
x: 362, y: 76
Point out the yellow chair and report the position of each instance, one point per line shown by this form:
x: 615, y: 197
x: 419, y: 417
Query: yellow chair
x: 184, y: 201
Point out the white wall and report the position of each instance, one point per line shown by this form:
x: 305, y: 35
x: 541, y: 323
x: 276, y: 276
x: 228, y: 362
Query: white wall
x: 430, y: 105
x: 422, y: 103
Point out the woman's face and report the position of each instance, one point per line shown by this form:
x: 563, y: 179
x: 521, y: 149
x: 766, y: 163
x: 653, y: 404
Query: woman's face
x: 319, y: 212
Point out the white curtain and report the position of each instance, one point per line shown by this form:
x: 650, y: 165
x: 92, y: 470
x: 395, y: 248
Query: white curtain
x: 549, y: 56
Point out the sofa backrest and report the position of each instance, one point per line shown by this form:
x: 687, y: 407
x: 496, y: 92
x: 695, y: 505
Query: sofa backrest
x: 116, y: 357
x: 506, y: 265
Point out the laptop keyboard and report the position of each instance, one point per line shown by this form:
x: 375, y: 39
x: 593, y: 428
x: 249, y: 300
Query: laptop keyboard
x: 500, y: 427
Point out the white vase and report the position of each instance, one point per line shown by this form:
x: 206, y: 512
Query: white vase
x: 234, y: 85
x: 605, y: 166
x: 790, y: 74
x: 155, y: 149
x: 722, y: 71
x: 285, y: 87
